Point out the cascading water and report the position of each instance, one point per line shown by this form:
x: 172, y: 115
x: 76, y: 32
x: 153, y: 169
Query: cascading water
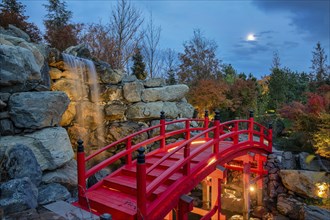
x: 89, y: 115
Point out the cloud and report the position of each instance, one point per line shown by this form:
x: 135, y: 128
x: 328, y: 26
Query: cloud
x: 308, y: 16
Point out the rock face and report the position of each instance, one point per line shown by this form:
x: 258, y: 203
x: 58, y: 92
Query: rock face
x: 166, y: 93
x: 20, y: 162
x: 37, y: 109
x: 303, y: 182
x: 18, y: 195
x: 52, y: 193
x: 65, y: 175
x: 19, y: 70
x: 51, y: 146
x: 54, y: 147
x: 132, y: 91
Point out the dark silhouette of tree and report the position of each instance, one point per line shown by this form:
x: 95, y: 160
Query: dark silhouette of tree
x: 150, y: 47
x: 13, y: 12
x: 170, y: 66
x: 138, y: 67
x: 99, y: 39
x: 276, y: 64
x: 60, y: 33
x: 125, y: 24
x: 320, y: 69
x: 199, y: 60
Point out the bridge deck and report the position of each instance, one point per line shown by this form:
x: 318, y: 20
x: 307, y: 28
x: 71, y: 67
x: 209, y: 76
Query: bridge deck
x: 116, y: 194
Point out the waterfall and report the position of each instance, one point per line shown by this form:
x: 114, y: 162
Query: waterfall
x: 89, y: 114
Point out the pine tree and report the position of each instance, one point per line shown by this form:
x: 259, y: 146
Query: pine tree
x: 171, y: 80
x: 60, y: 33
x: 320, y: 69
x: 12, y: 12
x: 139, y: 66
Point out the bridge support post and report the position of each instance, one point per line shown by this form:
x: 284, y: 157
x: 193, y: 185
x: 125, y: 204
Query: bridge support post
x: 260, y: 165
x: 246, y: 188
x: 206, y: 122
x: 81, y: 170
x: 162, y: 129
x: 216, y: 132
x: 141, y: 185
x: 185, y: 206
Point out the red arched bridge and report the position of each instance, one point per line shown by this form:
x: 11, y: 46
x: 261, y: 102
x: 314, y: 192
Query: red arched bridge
x: 157, y: 182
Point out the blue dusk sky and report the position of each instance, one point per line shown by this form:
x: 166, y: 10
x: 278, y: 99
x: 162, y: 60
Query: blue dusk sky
x: 291, y: 27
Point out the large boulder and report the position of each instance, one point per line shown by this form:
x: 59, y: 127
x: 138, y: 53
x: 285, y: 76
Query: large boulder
x: 37, y: 110
x: 132, y: 91
x: 166, y: 93
x: 20, y: 162
x: 288, y: 161
x: 50, y: 146
x: 288, y: 206
x: 79, y: 51
x: 111, y: 93
x: 154, y: 82
x: 54, y: 144
x: 18, y: 195
x: 117, y: 131
x: 16, y: 32
x: 303, y: 182
x: 115, y: 110
x: 19, y: 70
x: 307, y: 161
x: 313, y: 213
x: 185, y: 109
x: 65, y: 175
x: 107, y: 74
x: 151, y: 110
x: 51, y: 193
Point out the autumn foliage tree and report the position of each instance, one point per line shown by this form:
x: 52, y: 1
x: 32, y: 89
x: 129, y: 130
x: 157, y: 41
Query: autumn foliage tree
x: 311, y: 120
x: 199, y: 60
x: 60, y: 33
x: 13, y: 12
x: 208, y: 94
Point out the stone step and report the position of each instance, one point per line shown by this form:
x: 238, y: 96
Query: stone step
x: 69, y: 211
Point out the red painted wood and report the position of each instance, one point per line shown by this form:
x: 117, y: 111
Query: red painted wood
x: 171, y: 171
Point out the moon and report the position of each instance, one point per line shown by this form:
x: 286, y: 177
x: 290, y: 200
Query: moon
x: 250, y: 37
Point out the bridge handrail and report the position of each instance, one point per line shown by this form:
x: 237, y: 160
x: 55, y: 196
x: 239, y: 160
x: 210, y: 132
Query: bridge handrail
x: 182, y: 162
x: 121, y: 141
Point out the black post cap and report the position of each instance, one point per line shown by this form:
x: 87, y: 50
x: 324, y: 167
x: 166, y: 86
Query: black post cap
x: 141, y: 156
x: 105, y: 216
x: 251, y: 113
x: 270, y: 126
x: 80, y: 146
x: 217, y: 115
x: 162, y: 115
x: 206, y: 113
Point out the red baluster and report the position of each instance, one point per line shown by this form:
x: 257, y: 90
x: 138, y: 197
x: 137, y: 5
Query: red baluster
x: 206, y: 122
x: 162, y: 129
x: 81, y: 170
x: 141, y: 183
x: 251, y: 125
x: 216, y: 132
x: 129, y: 155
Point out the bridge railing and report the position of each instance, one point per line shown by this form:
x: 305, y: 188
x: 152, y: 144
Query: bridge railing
x: 212, y: 136
x: 229, y: 131
x: 127, y: 152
